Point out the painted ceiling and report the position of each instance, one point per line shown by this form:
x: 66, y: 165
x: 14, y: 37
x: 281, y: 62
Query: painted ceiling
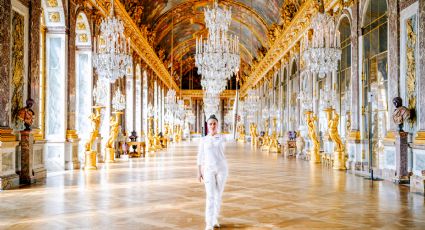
x: 173, y: 25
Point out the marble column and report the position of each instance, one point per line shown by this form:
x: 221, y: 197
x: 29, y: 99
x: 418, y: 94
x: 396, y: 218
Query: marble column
x: 421, y: 72
x: 71, y: 27
x: 34, y: 58
x: 393, y: 56
x: 5, y: 47
x: 355, y: 81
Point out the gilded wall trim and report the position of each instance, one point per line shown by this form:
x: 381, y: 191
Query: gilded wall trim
x: 200, y: 93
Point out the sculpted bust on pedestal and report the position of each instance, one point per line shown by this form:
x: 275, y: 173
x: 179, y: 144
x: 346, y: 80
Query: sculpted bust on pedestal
x: 26, y: 115
x: 400, y: 113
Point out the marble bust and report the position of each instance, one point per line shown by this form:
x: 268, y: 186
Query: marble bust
x: 400, y: 113
x: 26, y: 114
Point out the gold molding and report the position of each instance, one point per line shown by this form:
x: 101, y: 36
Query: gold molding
x: 6, y: 135
x: 38, y: 134
x: 200, y: 93
x: 419, y: 138
x: 139, y: 43
x: 353, y: 135
x: 390, y: 136
x: 71, y: 134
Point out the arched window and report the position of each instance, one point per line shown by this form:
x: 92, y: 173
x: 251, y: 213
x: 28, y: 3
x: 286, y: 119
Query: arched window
x: 344, y: 74
x: 284, y: 99
x: 129, y: 108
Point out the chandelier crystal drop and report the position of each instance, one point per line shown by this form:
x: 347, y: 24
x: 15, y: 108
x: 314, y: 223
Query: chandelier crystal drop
x: 118, y: 101
x: 323, y: 54
x: 111, y: 56
x: 100, y: 92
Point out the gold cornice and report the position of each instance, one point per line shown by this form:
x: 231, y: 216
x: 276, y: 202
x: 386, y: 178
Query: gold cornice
x: 200, y: 93
x: 6, y: 135
x: 139, y: 43
x: 71, y: 134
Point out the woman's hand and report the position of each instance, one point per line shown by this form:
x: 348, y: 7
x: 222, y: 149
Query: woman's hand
x: 200, y: 175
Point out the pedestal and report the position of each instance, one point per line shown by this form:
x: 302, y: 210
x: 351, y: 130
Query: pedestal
x: 339, y: 161
x: 98, y: 146
x: 110, y: 155
x: 71, y: 154
x: 29, y: 172
x: 90, y: 160
x: 8, y: 177
x: 402, y: 175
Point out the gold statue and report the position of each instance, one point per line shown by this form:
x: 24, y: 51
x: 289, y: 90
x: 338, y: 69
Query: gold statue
x: 95, y: 124
x: 113, y: 133
x: 338, y: 156
x: 333, y: 133
x: 253, y: 132
x: 314, y: 152
x: 241, y: 131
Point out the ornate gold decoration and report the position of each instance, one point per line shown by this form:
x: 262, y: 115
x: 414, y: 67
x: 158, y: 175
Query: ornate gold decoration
x: 151, y: 140
x: 314, y: 151
x: 71, y: 134
x: 52, y: 3
x: 90, y: 154
x: 265, y: 140
x: 113, y: 134
x: 6, y: 135
x: 273, y: 143
x: 411, y: 64
x: 200, y: 93
x: 17, y: 65
x: 353, y: 135
x: 81, y: 25
x: 157, y: 138
x: 339, y: 147
x: 419, y: 138
x: 38, y: 134
x: 241, y: 132
x: 254, y: 135
x: 83, y: 38
x: 54, y: 17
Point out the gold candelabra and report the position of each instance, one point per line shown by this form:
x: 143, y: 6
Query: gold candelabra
x: 157, y: 138
x: 273, y: 142
x: 151, y: 138
x: 241, y: 131
x: 254, y: 135
x: 339, y: 147
x: 90, y: 154
x: 113, y: 134
x: 166, y: 134
x: 265, y: 140
x: 314, y: 151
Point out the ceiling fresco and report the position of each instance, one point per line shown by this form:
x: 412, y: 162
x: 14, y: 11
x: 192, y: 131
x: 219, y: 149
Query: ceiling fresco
x: 173, y: 25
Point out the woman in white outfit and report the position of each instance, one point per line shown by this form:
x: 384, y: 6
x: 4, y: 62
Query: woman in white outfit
x: 212, y: 168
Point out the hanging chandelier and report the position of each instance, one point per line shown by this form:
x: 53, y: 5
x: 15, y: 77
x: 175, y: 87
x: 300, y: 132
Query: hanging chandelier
x: 111, y: 56
x: 323, y: 54
x: 217, y: 57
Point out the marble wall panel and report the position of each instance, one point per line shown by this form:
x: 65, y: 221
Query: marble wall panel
x: 34, y: 56
x: 406, y: 3
x: 5, y: 35
x: 355, y: 115
x: 55, y: 157
x: 83, y: 95
x: 17, y: 64
x: 418, y: 161
x: 421, y: 66
x: 389, y: 158
x: 72, y: 17
x: 8, y: 162
x: 393, y: 55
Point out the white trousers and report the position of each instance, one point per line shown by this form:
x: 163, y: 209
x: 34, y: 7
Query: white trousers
x: 214, y: 181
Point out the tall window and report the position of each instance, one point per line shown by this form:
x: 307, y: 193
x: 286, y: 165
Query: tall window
x: 138, y: 108
x: 129, y: 108
x: 375, y: 81
x: 145, y: 102
x: 344, y: 74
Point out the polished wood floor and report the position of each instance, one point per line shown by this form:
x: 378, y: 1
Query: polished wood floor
x: 161, y: 192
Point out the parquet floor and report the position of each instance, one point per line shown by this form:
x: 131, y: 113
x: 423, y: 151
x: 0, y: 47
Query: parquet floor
x: 161, y: 192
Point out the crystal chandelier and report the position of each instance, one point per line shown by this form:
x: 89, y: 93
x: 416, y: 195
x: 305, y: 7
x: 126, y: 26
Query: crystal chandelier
x: 327, y: 98
x: 217, y: 57
x: 211, y: 103
x: 111, y: 52
x: 253, y: 101
x: 118, y: 101
x: 322, y: 55
x: 305, y: 101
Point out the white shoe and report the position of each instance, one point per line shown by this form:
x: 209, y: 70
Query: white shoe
x: 216, y: 224
x: 209, y: 228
